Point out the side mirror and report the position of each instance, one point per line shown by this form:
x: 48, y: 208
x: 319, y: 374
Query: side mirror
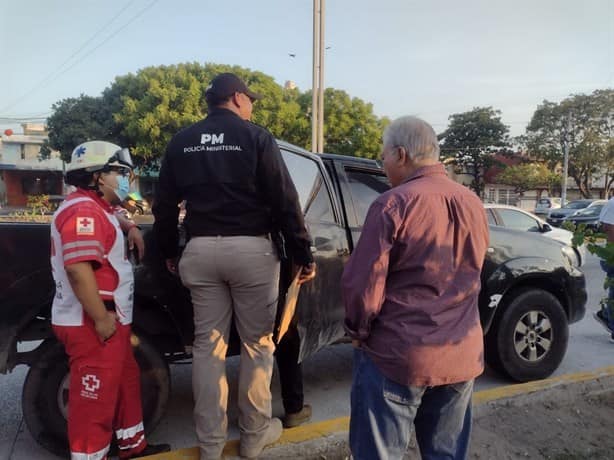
x: 546, y: 228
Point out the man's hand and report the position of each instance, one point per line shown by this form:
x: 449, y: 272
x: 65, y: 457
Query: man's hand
x: 106, y: 325
x: 308, y: 272
x: 171, y: 265
x: 135, y: 238
x: 356, y: 343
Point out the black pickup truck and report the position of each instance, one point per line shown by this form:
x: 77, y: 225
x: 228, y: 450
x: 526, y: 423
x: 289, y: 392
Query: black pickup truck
x: 531, y: 291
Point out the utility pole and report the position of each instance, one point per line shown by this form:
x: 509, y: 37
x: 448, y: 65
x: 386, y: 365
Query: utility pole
x: 321, y: 83
x: 317, y: 96
x: 566, y: 161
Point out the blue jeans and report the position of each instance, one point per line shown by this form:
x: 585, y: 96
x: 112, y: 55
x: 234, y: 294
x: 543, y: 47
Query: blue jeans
x: 608, y: 311
x: 383, y: 411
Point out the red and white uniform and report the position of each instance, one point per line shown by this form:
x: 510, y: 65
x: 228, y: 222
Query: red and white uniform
x: 105, y: 394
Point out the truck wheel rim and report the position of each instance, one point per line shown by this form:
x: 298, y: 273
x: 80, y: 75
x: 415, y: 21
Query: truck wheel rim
x: 533, y: 336
x: 62, y: 396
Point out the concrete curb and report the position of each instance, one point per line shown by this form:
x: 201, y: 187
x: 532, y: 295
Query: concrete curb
x: 334, y: 431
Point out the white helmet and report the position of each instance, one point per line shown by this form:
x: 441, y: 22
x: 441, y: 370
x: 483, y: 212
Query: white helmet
x: 93, y: 156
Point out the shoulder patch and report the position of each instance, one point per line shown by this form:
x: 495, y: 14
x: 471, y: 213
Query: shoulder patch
x: 85, y: 226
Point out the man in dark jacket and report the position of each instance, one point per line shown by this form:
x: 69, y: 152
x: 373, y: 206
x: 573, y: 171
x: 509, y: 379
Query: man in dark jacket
x: 237, y: 191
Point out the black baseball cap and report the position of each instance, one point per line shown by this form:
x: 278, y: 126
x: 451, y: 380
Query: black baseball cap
x: 226, y: 84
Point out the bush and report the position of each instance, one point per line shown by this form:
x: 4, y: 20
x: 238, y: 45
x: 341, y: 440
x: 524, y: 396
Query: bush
x: 39, y: 210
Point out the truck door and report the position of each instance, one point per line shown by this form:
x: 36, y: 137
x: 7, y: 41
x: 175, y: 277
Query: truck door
x: 320, y: 310
x: 359, y: 187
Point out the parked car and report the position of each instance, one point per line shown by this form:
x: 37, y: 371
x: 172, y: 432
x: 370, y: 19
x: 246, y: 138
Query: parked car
x: 557, y: 216
x: 546, y: 204
x: 531, y: 291
x: 519, y: 219
x: 588, y: 216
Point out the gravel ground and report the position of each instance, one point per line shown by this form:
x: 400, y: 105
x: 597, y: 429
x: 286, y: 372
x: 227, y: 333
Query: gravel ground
x: 567, y: 422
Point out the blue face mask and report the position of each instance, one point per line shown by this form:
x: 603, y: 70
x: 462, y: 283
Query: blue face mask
x: 123, y: 187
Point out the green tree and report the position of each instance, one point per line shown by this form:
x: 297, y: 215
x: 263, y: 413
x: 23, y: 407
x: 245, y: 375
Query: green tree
x: 529, y: 176
x: 350, y: 126
x: 586, y: 122
x: 77, y: 120
x: 604, y: 107
x: 152, y: 105
x: 144, y: 110
x: 470, y: 141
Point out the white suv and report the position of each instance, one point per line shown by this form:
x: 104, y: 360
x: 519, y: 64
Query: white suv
x: 518, y: 219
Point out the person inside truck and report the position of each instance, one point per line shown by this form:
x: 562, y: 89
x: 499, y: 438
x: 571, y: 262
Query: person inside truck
x: 92, y: 308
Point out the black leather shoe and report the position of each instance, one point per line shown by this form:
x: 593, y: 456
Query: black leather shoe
x: 152, y: 449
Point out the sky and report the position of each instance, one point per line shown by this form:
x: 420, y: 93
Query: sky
x: 430, y: 58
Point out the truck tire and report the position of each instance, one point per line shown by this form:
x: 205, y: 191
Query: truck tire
x: 45, y: 393
x: 529, y: 338
x: 45, y: 386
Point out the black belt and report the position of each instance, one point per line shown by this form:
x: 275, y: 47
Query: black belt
x: 266, y: 236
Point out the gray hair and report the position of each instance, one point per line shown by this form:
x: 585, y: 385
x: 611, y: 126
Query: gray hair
x: 415, y: 135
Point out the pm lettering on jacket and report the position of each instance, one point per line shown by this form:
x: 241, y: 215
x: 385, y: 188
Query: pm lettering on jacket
x: 212, y: 138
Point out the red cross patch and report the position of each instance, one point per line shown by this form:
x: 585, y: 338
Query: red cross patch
x: 85, y: 226
x: 90, y: 382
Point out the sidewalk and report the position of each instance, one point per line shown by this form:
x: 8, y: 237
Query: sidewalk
x: 562, y: 418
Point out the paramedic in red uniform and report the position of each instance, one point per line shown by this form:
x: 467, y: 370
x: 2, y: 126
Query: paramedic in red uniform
x: 92, y: 308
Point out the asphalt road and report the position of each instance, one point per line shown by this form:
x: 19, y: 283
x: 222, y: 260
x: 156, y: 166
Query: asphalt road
x: 327, y: 378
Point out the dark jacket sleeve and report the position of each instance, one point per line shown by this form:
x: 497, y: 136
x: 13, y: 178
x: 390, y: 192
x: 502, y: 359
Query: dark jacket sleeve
x: 280, y: 193
x: 166, y: 210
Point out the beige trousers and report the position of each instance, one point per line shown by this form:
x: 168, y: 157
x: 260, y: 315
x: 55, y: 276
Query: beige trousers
x: 231, y: 276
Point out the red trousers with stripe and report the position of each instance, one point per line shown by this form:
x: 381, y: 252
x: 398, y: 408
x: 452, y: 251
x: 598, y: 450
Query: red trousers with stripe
x: 104, y: 394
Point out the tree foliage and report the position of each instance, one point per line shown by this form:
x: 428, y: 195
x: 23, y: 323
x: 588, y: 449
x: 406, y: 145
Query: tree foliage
x: 471, y: 140
x: 586, y: 122
x: 144, y: 110
x: 77, y: 120
x: 529, y: 176
x: 350, y: 126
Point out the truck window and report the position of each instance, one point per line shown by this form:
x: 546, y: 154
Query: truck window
x: 365, y: 187
x: 312, y: 192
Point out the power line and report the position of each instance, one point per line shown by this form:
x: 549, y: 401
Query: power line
x: 51, y: 76
x: 17, y: 120
x: 130, y: 21
x: 30, y: 115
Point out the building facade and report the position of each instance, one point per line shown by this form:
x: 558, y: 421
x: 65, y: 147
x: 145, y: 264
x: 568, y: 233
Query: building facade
x: 22, y: 172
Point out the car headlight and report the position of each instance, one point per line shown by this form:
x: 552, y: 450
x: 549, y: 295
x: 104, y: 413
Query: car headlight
x: 572, y: 256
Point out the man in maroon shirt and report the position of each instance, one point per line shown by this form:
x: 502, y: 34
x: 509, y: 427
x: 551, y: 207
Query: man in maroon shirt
x: 411, y: 291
